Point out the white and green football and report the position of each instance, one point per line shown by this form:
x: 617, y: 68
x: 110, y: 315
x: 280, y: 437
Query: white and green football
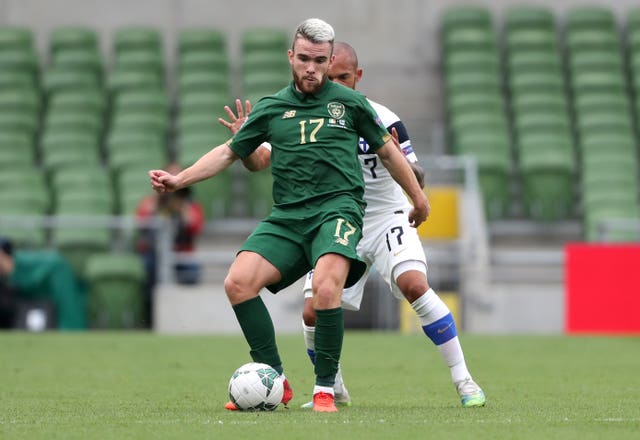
x: 256, y: 387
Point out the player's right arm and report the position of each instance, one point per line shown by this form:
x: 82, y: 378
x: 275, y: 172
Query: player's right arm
x: 210, y: 164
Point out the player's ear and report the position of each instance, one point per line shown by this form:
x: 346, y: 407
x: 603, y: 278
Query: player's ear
x: 358, y: 74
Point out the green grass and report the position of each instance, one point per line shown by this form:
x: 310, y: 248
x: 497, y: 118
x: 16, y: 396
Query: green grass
x: 139, y: 385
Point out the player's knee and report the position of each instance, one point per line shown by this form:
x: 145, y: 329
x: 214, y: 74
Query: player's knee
x: 309, y: 314
x: 414, y: 290
x: 236, y: 290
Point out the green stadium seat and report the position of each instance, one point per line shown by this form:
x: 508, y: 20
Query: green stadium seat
x: 115, y: 284
x: 215, y: 195
x: 475, y: 102
x: 593, y: 39
x: 201, y: 61
x: 200, y: 81
x: 15, y: 122
x: 132, y: 185
x: 590, y: 17
x: 121, y: 81
x: 60, y: 80
x: 90, y: 101
x: 548, y: 176
x: 21, y: 61
x: 78, y: 242
x: 17, y: 204
x: 265, y: 62
x: 151, y: 101
x: 16, y: 37
x: 205, y: 124
x: 201, y: 39
x: 547, y: 122
x: 619, y: 211
x: 134, y: 38
x: 72, y: 38
x: 140, y: 121
x: 265, y: 39
x: 534, y: 102
x: 544, y: 82
x: 532, y: 39
x: 464, y: 60
x: 478, y: 39
x: 461, y: 81
x: 528, y: 17
x: 494, y: 172
x: 16, y: 156
x: 150, y: 155
x: 541, y: 61
x: 466, y: 16
x: 141, y: 61
x: 72, y: 181
x: 74, y: 122
x: 211, y: 103
x: 80, y: 60
x: 596, y: 60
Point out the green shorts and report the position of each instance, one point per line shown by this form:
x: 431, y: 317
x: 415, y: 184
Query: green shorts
x: 294, y: 246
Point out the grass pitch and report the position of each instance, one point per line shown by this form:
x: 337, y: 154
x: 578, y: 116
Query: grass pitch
x: 145, y: 386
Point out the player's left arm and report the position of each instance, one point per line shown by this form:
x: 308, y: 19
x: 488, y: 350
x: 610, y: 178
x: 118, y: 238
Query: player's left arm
x: 394, y: 161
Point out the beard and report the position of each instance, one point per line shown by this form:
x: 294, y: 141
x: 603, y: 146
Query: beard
x: 303, y: 84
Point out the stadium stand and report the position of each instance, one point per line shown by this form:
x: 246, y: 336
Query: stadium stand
x: 545, y: 154
x: 472, y: 73
x: 115, y: 290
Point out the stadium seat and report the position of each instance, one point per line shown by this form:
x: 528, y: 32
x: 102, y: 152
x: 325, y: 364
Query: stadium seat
x: 132, y: 184
x: 90, y: 101
x: 21, y: 61
x: 16, y: 37
x: 78, y: 242
x: 201, y: 39
x: 548, y: 177
x: 211, y: 103
x: 60, y: 80
x: 80, y: 60
x: 65, y: 38
x: 261, y: 39
x: 120, y: 81
x: 134, y: 38
x: 528, y: 17
x: 115, y: 290
x: 590, y: 17
x: 141, y: 61
x: 201, y: 61
x: 201, y: 81
x: 17, y: 205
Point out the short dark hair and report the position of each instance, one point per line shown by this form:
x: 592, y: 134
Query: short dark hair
x: 6, y: 245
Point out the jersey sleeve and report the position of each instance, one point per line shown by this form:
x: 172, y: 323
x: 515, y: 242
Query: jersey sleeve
x: 405, y: 142
x: 370, y: 127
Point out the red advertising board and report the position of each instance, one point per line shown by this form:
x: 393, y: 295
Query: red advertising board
x: 602, y: 288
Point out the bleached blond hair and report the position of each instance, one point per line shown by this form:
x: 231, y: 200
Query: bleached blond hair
x: 314, y: 30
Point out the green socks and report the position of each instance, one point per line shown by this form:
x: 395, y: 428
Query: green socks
x: 258, y: 330
x: 328, y: 345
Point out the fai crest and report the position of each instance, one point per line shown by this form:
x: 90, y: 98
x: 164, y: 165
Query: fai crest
x: 336, y: 110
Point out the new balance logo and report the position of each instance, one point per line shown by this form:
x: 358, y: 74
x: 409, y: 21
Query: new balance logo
x: 289, y: 114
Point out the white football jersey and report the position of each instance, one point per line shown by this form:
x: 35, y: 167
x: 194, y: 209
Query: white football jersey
x: 382, y: 193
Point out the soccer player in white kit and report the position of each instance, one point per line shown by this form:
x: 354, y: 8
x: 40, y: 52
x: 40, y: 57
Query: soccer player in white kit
x: 394, y: 248
x: 388, y: 243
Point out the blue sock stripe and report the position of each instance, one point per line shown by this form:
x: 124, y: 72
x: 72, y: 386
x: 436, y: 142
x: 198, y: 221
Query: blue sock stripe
x: 441, y: 330
x: 312, y: 355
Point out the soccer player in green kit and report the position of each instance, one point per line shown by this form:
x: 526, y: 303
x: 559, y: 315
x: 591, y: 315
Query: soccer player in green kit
x: 313, y: 126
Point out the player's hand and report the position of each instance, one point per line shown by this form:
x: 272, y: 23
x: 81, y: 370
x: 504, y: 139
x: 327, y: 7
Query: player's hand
x: 162, y: 181
x: 420, y: 211
x: 238, y: 118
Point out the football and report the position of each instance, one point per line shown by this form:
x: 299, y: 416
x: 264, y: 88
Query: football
x: 256, y: 387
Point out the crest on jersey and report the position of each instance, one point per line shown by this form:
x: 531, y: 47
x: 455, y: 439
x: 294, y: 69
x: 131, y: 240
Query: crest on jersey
x: 336, y: 110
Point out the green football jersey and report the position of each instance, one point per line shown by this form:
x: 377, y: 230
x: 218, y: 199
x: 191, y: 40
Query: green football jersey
x: 314, y: 140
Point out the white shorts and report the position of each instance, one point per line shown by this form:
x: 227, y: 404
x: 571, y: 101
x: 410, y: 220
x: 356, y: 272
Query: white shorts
x: 387, y: 241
